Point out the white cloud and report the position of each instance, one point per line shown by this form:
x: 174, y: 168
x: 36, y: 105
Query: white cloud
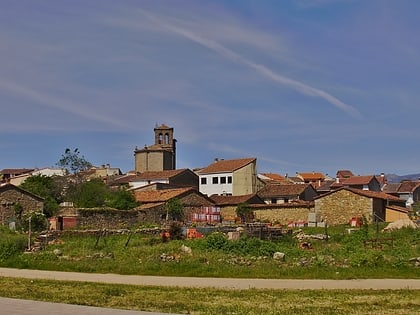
x: 259, y: 68
x: 66, y: 105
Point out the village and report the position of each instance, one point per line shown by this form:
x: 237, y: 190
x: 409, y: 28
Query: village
x: 211, y: 196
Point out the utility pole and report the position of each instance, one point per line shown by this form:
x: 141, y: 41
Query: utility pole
x: 29, y: 233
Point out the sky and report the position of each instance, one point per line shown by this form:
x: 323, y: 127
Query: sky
x: 301, y: 85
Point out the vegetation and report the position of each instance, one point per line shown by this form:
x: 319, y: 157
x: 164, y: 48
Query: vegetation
x: 174, y: 209
x: 342, y: 256
x: 214, y: 301
x: 11, y: 244
x: 73, y: 162
x: 244, y: 212
x: 121, y: 199
x: 46, y: 187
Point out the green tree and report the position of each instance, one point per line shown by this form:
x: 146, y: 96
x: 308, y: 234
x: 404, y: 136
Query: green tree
x: 90, y: 194
x: 73, y: 162
x: 47, y: 188
x: 174, y: 210
x: 244, y: 212
x: 121, y: 199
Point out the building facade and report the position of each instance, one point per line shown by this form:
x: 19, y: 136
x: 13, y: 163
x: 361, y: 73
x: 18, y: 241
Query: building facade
x: 161, y: 155
x: 229, y: 177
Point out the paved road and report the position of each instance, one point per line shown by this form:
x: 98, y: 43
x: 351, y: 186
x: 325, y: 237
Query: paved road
x: 226, y: 283
x: 26, y: 307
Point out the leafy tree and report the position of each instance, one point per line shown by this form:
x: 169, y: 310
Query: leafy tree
x: 244, y: 212
x: 47, y: 188
x: 90, y: 194
x: 174, y: 209
x: 121, y: 199
x: 72, y: 162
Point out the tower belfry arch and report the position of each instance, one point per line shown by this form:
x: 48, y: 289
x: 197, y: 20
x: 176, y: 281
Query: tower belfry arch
x: 161, y: 155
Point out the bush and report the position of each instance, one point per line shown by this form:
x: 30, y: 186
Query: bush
x: 216, y: 241
x: 11, y: 244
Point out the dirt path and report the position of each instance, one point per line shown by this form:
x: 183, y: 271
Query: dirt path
x: 226, y: 283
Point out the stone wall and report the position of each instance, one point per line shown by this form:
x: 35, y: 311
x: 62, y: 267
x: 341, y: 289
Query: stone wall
x: 99, y: 218
x: 340, y: 206
x: 10, y: 196
x: 282, y: 214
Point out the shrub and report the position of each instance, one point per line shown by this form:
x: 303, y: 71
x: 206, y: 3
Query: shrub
x: 11, y: 244
x: 216, y: 241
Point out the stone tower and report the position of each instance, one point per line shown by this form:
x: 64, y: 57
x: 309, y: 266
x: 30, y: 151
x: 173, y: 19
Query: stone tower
x: 161, y: 155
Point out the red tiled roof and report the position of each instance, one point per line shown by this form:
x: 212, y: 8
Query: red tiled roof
x: 366, y: 193
x: 224, y: 166
x: 344, y: 173
x: 374, y: 194
x: 233, y: 200
x: 125, y: 179
x: 273, y: 176
x: 391, y: 188
x: 358, y: 180
x: 311, y: 176
x: 277, y: 190
x: 154, y: 175
x: 164, y: 195
x: 408, y: 186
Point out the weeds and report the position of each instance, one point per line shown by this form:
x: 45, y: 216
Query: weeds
x: 342, y: 256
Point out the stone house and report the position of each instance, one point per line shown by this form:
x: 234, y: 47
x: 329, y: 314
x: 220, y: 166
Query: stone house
x: 365, y: 182
x: 228, y: 205
x: 292, y: 214
x: 407, y: 190
x: 230, y: 177
x: 314, y: 178
x: 8, y: 174
x: 153, y: 203
x: 341, y: 205
x: 10, y: 196
x: 285, y: 193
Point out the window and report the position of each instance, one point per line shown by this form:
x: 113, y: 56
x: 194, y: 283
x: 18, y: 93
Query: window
x: 203, y: 180
x: 222, y: 180
x: 229, y: 179
x: 215, y: 180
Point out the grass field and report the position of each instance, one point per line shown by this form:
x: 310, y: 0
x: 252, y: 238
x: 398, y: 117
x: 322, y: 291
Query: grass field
x: 215, y: 301
x: 343, y: 256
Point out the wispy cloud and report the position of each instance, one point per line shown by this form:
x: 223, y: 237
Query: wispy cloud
x: 259, y: 68
x: 54, y: 102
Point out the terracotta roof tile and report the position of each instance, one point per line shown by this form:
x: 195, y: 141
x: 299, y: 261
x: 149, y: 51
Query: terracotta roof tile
x: 408, y: 186
x: 224, y: 166
x: 358, y: 180
x: 273, y: 176
x: 391, y: 188
x: 235, y: 200
x: 164, y: 195
x: 374, y: 194
x: 159, y: 174
x: 344, y: 174
x: 279, y: 190
x: 311, y: 176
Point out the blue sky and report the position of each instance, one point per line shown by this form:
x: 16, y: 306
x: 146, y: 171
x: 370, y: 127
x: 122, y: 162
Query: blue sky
x: 302, y: 85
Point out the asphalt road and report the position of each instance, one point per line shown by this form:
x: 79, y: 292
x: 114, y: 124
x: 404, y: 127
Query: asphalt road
x: 224, y: 283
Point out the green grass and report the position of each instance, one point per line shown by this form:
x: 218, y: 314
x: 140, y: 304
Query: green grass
x: 343, y: 256
x: 215, y: 301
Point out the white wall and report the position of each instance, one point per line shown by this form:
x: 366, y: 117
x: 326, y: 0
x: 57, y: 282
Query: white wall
x: 216, y: 189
